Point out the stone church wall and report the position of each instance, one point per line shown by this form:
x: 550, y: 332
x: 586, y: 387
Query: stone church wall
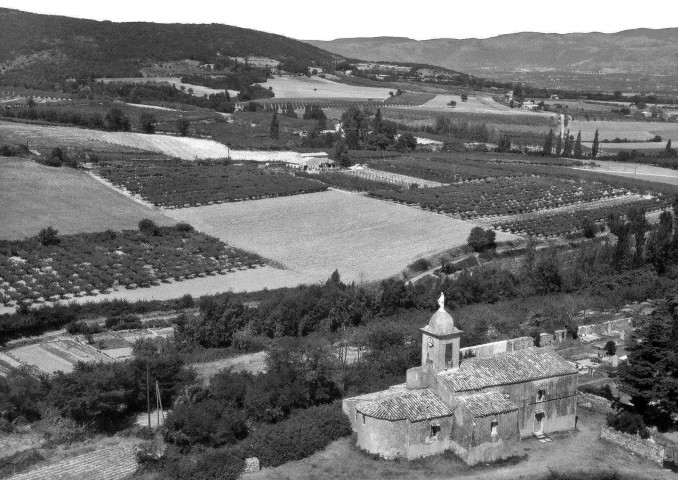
x: 382, y: 437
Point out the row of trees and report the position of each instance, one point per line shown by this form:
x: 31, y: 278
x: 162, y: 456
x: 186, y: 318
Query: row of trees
x: 567, y: 146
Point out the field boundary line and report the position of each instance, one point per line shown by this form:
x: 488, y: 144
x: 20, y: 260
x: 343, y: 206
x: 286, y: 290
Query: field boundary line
x: 123, y: 191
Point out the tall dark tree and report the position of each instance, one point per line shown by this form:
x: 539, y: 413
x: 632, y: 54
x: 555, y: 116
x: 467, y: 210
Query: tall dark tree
x: 377, y: 122
x: 559, y: 146
x: 567, y: 145
x: 147, y: 123
x: 504, y: 144
x: 355, y: 125
x: 117, y: 121
x: 340, y: 154
x: 594, y: 147
x: 182, y: 126
x: 275, y: 126
x: 577, y: 147
x: 658, y: 245
x: 650, y: 376
x: 548, y: 144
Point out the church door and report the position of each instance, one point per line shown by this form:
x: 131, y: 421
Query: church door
x: 538, y: 422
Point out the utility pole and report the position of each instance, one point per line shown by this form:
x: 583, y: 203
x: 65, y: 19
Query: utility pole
x: 148, y: 397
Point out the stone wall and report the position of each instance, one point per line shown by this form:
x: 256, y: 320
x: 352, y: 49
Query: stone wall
x: 619, y: 325
x: 490, y: 349
x: 644, y: 448
x: 594, y: 402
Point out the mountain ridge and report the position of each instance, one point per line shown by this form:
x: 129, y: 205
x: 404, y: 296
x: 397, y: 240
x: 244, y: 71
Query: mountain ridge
x: 628, y: 50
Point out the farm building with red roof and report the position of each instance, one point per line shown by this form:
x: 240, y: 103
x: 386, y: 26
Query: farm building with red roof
x: 472, y: 406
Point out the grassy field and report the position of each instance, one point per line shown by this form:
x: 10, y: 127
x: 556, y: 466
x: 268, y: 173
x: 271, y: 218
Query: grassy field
x: 638, y: 131
x: 639, y: 171
x: 316, y: 87
x: 198, y: 90
x: 315, y: 234
x: 47, y: 137
x: 34, y: 196
x: 581, y: 451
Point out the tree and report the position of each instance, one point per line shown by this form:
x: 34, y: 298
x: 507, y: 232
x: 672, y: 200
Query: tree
x: 504, y: 144
x: 594, y: 147
x: 147, y: 123
x: 148, y: 227
x: 275, y: 126
x: 567, y: 145
x: 588, y: 228
x: 340, y: 154
x: 649, y: 376
x: 117, y: 121
x: 30, y: 102
x: 559, y: 146
x: 577, y: 147
x: 610, y: 348
x: 377, y: 122
x: 182, y: 126
x: 49, y: 236
x: 355, y: 126
x: 480, y: 240
x: 406, y: 142
x: 548, y: 144
x: 464, y: 97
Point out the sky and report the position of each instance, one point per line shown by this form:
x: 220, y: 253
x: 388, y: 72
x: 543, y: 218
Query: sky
x: 418, y: 19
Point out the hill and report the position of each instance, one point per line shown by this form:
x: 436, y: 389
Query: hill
x: 41, y: 50
x: 639, y: 50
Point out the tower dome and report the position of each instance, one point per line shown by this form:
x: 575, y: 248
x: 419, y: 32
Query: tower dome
x: 441, y: 322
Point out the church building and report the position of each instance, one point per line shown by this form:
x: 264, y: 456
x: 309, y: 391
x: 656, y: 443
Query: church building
x: 472, y: 406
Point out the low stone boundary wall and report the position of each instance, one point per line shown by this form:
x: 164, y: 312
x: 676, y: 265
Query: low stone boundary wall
x: 594, y: 402
x: 644, y: 448
x: 621, y: 324
x: 490, y: 349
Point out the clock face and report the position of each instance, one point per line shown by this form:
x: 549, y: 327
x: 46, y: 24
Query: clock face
x: 430, y: 342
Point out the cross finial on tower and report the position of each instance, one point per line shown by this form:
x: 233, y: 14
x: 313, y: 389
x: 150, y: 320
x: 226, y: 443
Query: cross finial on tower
x: 441, y: 302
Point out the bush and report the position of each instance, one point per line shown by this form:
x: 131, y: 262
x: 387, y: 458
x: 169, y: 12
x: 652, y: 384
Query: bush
x: 123, y: 322
x: 420, y: 265
x: 148, y: 227
x: 480, y: 240
x: 19, y: 462
x: 82, y: 328
x: 629, y: 423
x: 49, y: 236
x: 298, y: 437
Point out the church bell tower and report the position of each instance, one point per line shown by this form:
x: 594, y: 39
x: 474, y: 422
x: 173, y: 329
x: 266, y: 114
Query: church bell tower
x: 440, y: 341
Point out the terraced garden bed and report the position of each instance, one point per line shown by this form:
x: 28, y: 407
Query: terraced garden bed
x: 176, y: 184
x: 91, y: 263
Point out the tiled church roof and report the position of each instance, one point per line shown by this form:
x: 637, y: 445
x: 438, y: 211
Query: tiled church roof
x: 413, y: 405
x: 484, y: 404
x: 506, y: 368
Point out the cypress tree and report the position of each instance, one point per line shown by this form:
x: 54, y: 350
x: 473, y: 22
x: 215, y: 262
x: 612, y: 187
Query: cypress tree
x: 577, y: 146
x: 275, y: 126
x: 594, y: 147
x: 377, y: 123
x: 567, y: 147
x: 559, y: 146
x: 668, y: 147
x: 548, y: 144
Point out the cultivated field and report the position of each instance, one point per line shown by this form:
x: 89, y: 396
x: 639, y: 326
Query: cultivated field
x: 478, y: 104
x: 198, y: 90
x: 638, y: 131
x: 314, y: 234
x: 250, y: 362
x: 316, y: 87
x: 34, y: 196
x: 637, y: 170
x: 185, y: 148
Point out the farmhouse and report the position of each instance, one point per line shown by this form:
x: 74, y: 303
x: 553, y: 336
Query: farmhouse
x: 473, y: 406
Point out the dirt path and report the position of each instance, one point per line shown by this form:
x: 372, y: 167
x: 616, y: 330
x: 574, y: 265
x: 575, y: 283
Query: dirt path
x: 580, y: 451
x: 250, y: 362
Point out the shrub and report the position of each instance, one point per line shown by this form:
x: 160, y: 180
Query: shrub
x: 298, y: 437
x: 49, y: 236
x: 148, y: 227
x: 123, y: 322
x: 420, y: 265
x: 480, y: 240
x: 19, y: 462
x: 82, y: 328
x: 629, y: 423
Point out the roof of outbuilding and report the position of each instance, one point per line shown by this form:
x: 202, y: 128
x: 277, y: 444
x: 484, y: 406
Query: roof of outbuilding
x: 484, y: 404
x: 413, y: 405
x: 506, y: 368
